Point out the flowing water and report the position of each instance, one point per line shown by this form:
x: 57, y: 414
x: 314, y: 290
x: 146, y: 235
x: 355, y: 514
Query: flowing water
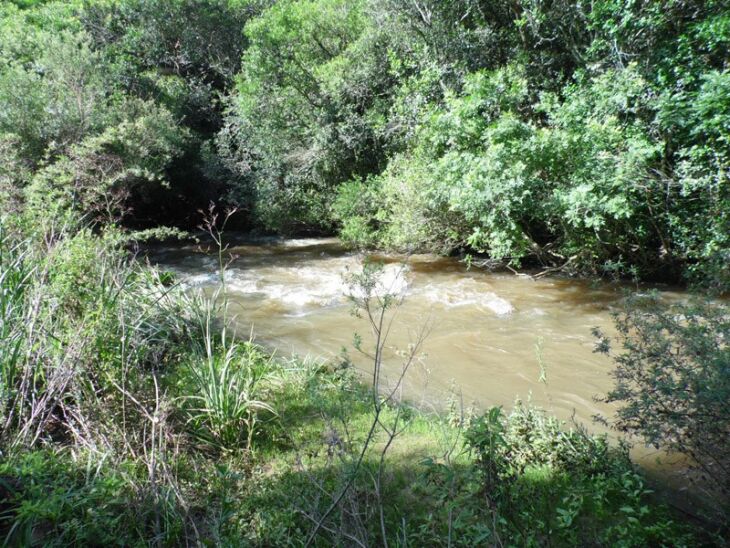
x: 490, y: 336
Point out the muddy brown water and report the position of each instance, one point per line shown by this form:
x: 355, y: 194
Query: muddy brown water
x: 490, y: 335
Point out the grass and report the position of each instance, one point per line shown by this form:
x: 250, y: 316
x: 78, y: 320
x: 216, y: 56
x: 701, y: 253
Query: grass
x: 222, y: 405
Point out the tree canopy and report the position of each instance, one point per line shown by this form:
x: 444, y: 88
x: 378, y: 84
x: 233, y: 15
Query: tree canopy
x: 589, y: 136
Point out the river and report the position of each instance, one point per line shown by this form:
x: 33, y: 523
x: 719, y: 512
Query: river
x: 491, y: 336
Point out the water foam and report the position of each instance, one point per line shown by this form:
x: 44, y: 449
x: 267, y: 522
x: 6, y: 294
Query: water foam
x: 299, y: 287
x: 322, y: 283
x: 308, y: 242
x: 467, y: 293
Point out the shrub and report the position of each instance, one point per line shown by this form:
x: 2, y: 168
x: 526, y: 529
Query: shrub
x: 355, y: 208
x: 672, y: 380
x: 545, y: 485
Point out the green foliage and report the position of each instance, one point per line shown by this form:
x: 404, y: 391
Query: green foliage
x: 97, y: 176
x: 50, y: 501
x: 86, y: 145
x: 586, y: 136
x: 355, y: 209
x: 103, y: 101
x: 700, y: 226
x: 556, y: 134
x: 487, y: 180
x: 545, y: 485
x: 672, y: 380
x: 180, y: 53
x: 53, y: 91
x: 309, y: 104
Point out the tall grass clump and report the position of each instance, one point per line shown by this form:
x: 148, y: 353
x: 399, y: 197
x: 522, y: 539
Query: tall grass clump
x: 224, y: 379
x: 223, y: 405
x: 15, y: 275
x: 113, y: 377
x: 77, y: 317
x: 87, y: 336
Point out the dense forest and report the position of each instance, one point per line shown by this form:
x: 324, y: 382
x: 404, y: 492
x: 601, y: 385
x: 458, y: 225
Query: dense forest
x: 580, y: 138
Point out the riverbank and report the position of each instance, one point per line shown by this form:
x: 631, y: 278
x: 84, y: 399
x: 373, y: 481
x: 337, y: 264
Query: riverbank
x: 135, y: 417
x: 455, y: 479
x: 492, y: 337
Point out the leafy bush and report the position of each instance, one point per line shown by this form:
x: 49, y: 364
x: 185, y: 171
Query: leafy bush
x: 356, y: 207
x: 98, y: 175
x: 310, y: 102
x: 673, y: 380
x: 53, y: 85
x: 545, y: 485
